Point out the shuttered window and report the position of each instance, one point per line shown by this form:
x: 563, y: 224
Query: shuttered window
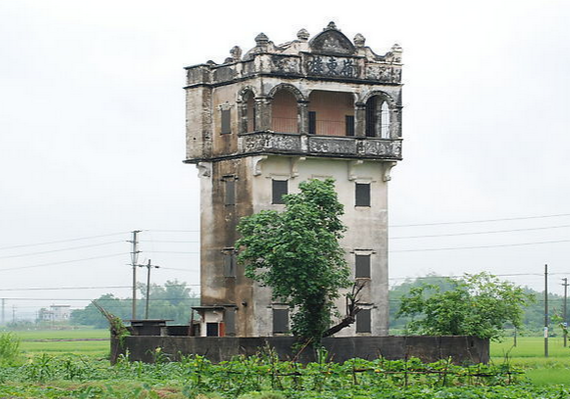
x: 279, y: 189
x: 226, y: 121
x: 230, y: 194
x: 229, y: 264
x: 363, y: 321
x: 362, y: 266
x: 230, y: 321
x: 280, y: 320
x: 362, y: 194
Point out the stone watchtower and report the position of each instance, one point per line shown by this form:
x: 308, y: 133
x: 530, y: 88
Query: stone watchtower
x: 258, y: 125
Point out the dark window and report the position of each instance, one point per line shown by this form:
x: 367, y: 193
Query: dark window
x: 230, y: 195
x: 229, y: 264
x: 312, y: 122
x: 279, y: 190
x: 371, y: 117
x: 280, y: 320
x: 349, y: 121
x: 363, y: 322
x: 362, y: 194
x: 226, y: 121
x: 362, y: 266
x: 212, y: 329
x: 230, y: 321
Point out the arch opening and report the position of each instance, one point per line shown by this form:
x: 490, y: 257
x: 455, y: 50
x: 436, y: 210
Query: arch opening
x: 331, y: 113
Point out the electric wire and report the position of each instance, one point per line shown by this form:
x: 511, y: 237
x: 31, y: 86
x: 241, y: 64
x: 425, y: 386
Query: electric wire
x: 61, y: 249
x: 61, y: 262
x: 481, y: 232
x: 479, y: 246
x: 481, y: 220
x: 62, y: 241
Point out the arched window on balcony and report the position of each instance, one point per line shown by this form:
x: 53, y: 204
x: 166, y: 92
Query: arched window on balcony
x: 331, y: 113
x: 377, y: 117
x: 284, y: 112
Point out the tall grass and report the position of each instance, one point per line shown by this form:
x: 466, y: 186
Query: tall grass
x: 9, y: 348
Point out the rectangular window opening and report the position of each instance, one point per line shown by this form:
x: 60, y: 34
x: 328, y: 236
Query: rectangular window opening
x: 312, y: 122
x: 349, y: 122
x: 279, y: 189
x: 212, y: 329
x: 230, y: 321
x: 362, y: 194
x: 229, y: 263
x: 280, y: 321
x: 363, y: 321
x: 362, y: 266
x: 226, y: 121
x: 230, y: 191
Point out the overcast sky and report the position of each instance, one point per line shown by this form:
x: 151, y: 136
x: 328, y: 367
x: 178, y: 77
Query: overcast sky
x: 92, y: 135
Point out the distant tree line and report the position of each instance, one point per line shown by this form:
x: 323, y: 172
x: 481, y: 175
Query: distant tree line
x: 171, y: 301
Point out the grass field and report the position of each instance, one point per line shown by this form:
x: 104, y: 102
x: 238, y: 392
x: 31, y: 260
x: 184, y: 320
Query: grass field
x: 85, y: 342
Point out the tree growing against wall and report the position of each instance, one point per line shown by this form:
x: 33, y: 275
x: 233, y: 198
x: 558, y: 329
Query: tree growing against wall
x: 297, y: 253
x: 478, y: 305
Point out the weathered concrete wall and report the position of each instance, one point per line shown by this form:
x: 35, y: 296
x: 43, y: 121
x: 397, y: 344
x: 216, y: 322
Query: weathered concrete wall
x: 461, y: 349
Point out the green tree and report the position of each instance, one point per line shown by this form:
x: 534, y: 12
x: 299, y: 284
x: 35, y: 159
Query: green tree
x: 297, y: 253
x: 173, y: 301
x: 478, y: 305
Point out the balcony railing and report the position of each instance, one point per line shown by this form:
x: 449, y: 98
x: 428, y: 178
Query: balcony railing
x: 334, y: 146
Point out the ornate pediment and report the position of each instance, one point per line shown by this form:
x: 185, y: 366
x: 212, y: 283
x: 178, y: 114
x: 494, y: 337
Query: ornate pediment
x: 332, y: 41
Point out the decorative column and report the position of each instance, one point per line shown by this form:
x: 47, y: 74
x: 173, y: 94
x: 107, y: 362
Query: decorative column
x: 263, y: 114
x: 303, y: 116
x: 360, y: 120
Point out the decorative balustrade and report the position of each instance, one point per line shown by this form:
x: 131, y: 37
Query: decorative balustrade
x: 336, y: 146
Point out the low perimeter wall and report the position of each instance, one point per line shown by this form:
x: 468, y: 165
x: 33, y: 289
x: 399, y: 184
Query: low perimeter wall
x: 461, y: 349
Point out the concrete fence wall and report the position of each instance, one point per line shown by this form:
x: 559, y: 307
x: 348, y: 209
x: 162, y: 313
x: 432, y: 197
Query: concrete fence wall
x: 462, y: 349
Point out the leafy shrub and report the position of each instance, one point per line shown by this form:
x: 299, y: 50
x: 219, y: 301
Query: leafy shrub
x: 9, y: 348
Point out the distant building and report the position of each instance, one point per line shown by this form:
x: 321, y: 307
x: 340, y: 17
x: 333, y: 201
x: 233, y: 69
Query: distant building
x: 258, y: 125
x: 55, y: 313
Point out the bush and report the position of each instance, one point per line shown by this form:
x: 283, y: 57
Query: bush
x: 9, y: 348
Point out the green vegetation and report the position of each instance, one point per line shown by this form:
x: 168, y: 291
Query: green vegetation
x: 173, y: 301
x: 9, y: 348
x: 297, y: 253
x: 264, y: 377
x: 533, y: 311
x: 43, y: 371
x: 478, y: 305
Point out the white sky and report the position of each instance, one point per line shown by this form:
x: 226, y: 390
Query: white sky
x: 92, y: 133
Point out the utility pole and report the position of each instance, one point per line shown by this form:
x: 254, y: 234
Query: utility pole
x: 13, y: 313
x: 545, y: 310
x: 564, y: 314
x: 134, y: 263
x: 148, y: 266
x: 3, y: 311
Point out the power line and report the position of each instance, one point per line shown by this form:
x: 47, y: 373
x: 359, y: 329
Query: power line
x: 61, y: 249
x: 479, y: 246
x: 481, y: 232
x: 61, y: 241
x: 481, y: 221
x: 171, y: 241
x: 171, y: 252
x: 61, y: 263
x: 174, y: 231
x: 65, y: 288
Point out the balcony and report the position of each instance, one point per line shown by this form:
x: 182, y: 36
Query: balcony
x: 315, y: 145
